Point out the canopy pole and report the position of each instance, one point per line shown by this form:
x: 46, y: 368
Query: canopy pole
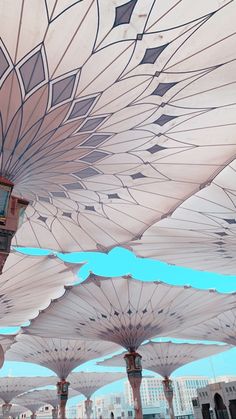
x: 134, y: 372
x: 88, y: 408
x: 33, y: 416
x: 55, y: 413
x: 6, y: 407
x: 62, y: 391
x: 169, y: 393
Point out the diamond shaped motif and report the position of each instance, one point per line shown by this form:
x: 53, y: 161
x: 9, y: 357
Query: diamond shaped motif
x: 58, y: 194
x: 32, y: 71
x: 94, y: 156
x: 124, y: 13
x: 67, y: 214
x: 230, y: 220
x: 95, y: 140
x: 162, y: 88
x: 154, y: 149
x: 3, y: 63
x: 85, y: 173
x: 164, y: 119
x: 73, y: 186
x: 89, y: 207
x: 43, y: 219
x: 151, y: 54
x: 92, y: 123
x: 138, y: 175
x: 81, y: 108
x: 44, y: 199
x: 62, y: 89
x: 113, y: 196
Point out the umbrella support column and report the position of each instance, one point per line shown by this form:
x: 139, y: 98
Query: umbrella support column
x: 88, y: 408
x: 55, y: 413
x: 62, y: 391
x: 168, y: 391
x: 6, y: 410
x: 134, y: 372
x: 33, y: 416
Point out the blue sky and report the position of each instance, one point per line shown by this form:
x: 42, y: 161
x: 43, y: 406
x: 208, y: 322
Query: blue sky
x: 122, y: 262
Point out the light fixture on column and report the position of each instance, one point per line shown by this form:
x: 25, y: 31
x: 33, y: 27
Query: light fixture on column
x: 62, y: 391
x: 134, y: 372
x: 11, y: 213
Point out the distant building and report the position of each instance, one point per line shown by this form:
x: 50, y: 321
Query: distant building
x: 185, y: 388
x: 216, y: 401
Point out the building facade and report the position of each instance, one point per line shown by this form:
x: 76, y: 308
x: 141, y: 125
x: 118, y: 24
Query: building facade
x: 216, y: 401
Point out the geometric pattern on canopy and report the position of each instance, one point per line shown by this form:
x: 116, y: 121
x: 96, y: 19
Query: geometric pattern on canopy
x: 113, y: 113
x: 59, y: 355
x: 28, y: 284
x: 89, y: 382
x: 47, y: 396
x: 127, y: 311
x: 201, y: 233
x: 220, y: 329
x: 165, y: 357
x: 11, y: 387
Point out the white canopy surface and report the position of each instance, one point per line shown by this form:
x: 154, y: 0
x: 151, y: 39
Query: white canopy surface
x: 47, y: 396
x: 28, y: 284
x: 127, y: 311
x: 16, y: 410
x: 201, y: 233
x: 165, y: 357
x: 220, y: 329
x: 31, y: 404
x: 6, y: 341
x: 89, y: 382
x: 11, y: 387
x: 59, y: 355
x: 107, y: 141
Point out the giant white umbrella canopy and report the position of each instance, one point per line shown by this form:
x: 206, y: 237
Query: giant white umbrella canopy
x: 221, y: 328
x: 16, y: 410
x: 89, y: 382
x: 47, y: 396
x: 59, y: 355
x: 165, y: 357
x: 28, y: 284
x: 107, y: 141
x: 201, y: 233
x: 10, y: 387
x: 127, y: 311
x: 31, y: 404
